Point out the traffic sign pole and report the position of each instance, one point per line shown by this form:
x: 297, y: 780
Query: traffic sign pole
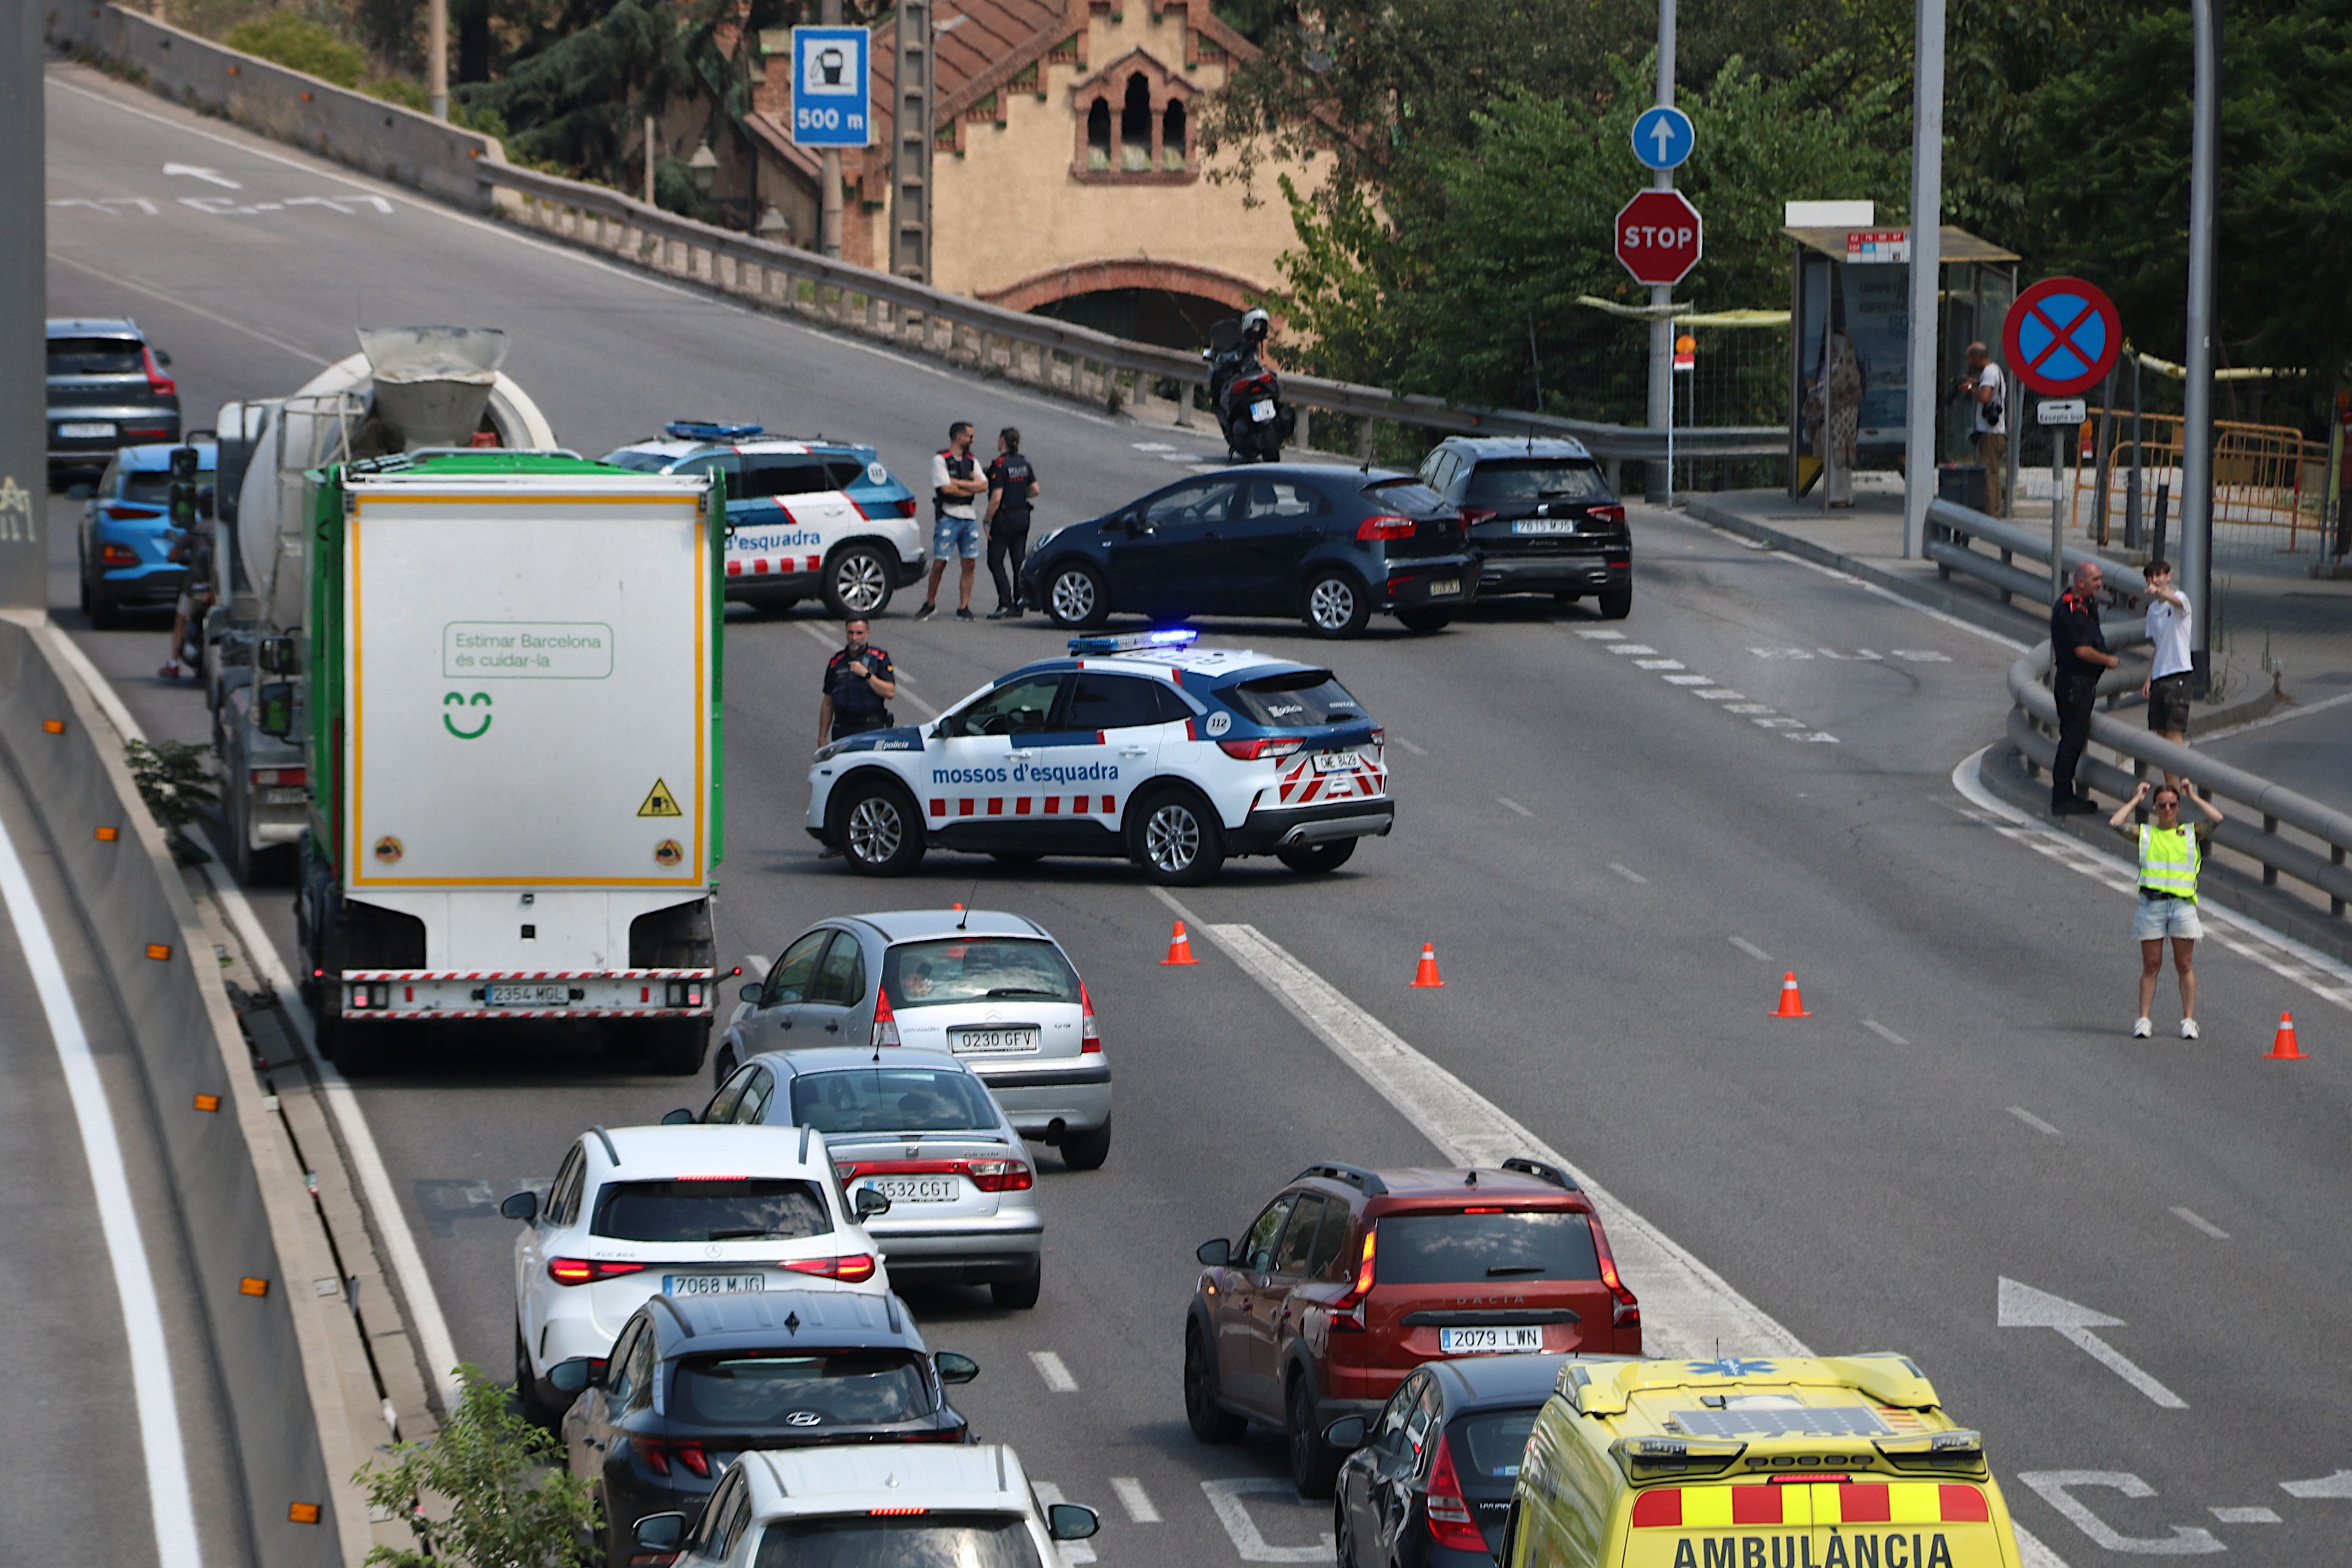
x: 1920, y: 448
x: 2197, y: 393
x: 828, y: 222
x: 1658, y: 486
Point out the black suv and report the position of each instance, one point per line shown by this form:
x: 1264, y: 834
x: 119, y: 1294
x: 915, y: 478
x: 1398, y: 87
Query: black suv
x: 1541, y: 517
x: 694, y: 1382
x: 107, y: 389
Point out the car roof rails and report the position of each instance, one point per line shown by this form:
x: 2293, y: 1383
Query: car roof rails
x: 1354, y: 1175
x: 1543, y: 1172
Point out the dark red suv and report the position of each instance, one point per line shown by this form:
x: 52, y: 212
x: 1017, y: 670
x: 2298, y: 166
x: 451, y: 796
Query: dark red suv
x: 1349, y: 1278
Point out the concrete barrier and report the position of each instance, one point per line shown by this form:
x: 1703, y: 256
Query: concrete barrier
x: 377, y: 137
x: 271, y: 1350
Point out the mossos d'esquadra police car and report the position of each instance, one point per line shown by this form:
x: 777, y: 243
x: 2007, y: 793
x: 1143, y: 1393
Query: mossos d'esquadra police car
x: 804, y: 518
x: 1143, y: 746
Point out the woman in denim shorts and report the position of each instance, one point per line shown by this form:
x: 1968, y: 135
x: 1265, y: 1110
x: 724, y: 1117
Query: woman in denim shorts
x: 2170, y: 857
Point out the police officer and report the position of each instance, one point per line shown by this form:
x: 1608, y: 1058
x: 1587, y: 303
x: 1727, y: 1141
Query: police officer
x: 955, y: 523
x: 2079, y: 656
x: 858, y: 680
x: 1012, y: 487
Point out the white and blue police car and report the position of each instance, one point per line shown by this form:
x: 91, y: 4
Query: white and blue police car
x: 804, y: 518
x: 1142, y: 746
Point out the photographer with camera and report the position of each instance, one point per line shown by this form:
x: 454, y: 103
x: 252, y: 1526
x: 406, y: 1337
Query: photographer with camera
x: 1985, y: 386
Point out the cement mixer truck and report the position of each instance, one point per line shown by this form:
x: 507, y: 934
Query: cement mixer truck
x: 443, y: 653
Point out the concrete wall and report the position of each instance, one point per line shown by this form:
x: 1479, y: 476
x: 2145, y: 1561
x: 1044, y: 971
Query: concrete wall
x: 367, y: 134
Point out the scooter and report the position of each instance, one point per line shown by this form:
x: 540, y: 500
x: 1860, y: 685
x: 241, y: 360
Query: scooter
x: 1247, y: 397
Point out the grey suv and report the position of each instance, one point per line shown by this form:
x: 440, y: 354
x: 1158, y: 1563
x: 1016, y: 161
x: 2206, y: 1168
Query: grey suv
x: 107, y: 389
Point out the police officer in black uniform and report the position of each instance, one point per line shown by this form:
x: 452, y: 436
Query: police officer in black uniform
x: 1012, y: 487
x: 858, y: 682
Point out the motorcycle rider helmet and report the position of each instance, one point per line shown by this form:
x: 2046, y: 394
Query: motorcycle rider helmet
x: 1255, y: 323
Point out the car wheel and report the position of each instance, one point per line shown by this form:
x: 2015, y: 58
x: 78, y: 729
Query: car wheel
x: 878, y: 829
x: 1075, y: 596
x: 1086, y: 1151
x: 1335, y: 605
x: 1211, y: 1422
x: 672, y: 1047
x: 857, y: 583
x: 1327, y: 856
x: 1425, y: 620
x: 1616, y: 601
x: 1343, y: 1534
x: 105, y: 615
x: 1018, y: 1295
x: 1175, y: 837
x: 1314, y: 1464
x: 534, y: 1408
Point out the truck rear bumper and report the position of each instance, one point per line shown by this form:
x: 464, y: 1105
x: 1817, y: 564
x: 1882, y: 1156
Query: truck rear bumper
x: 395, y: 995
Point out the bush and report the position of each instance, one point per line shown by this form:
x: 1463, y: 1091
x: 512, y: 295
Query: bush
x: 173, y: 781
x: 509, y: 1501
x: 300, y: 44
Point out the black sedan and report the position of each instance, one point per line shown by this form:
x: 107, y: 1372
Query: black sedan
x: 693, y: 1381
x: 1329, y: 545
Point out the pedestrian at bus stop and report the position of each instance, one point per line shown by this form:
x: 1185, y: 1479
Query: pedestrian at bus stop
x: 955, y: 523
x: 1987, y: 393
x: 2169, y: 671
x: 1012, y: 487
x: 2169, y: 857
x: 2078, y: 656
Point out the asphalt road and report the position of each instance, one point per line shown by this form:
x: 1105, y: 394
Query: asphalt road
x: 1615, y: 871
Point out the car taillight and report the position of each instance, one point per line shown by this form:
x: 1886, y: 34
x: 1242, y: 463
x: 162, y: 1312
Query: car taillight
x: 1347, y: 1312
x: 1264, y: 747
x: 1385, y: 528
x: 872, y: 510
x: 1627, y: 1312
x: 118, y: 555
x: 588, y: 1270
x: 853, y: 1268
x: 1451, y: 1523
x: 128, y: 512
x: 1472, y: 516
x: 281, y: 775
x: 1089, y: 1032
x: 158, y: 384
x: 999, y: 1176
x: 1612, y: 515
x: 657, y: 1456
x: 886, y: 1023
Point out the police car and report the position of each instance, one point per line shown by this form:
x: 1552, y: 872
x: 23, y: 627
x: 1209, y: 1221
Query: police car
x: 1143, y: 746
x: 802, y: 517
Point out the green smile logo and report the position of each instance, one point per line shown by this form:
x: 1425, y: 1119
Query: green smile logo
x: 458, y: 700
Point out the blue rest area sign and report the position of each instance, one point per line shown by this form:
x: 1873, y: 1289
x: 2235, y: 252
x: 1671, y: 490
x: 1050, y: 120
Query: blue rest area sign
x: 830, y: 87
x: 1662, y: 138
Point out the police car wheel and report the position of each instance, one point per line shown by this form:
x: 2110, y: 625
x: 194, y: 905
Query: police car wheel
x: 1337, y: 605
x: 1075, y: 596
x: 879, y: 832
x: 1327, y: 856
x: 857, y: 583
x: 1176, y: 839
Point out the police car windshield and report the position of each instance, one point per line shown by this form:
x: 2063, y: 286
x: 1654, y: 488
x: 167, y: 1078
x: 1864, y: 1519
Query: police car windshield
x: 976, y: 969
x: 891, y: 1099
x: 1459, y: 1249
x: 847, y: 1388
x: 1500, y: 482
x: 1293, y: 700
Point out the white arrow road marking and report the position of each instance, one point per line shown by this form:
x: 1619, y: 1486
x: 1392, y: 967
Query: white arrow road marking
x: 2338, y: 1484
x: 1073, y: 1551
x: 2246, y: 1515
x: 107, y: 204
x: 1225, y: 1497
x: 210, y: 176
x: 2185, y: 1540
x: 2023, y: 1307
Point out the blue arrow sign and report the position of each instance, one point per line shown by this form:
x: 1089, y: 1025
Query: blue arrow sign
x: 830, y: 91
x: 1662, y: 138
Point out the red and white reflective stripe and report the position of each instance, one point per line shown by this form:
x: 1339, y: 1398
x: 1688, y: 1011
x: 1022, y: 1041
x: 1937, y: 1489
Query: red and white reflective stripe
x: 530, y: 975
x: 760, y: 567
x: 816, y: 563
x: 1299, y: 787
x: 1810, y: 1503
x: 942, y: 807
x: 734, y: 569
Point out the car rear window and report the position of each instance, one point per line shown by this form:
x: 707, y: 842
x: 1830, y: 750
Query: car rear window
x: 891, y: 1099
x: 843, y: 1388
x: 1458, y: 1248
x: 919, y: 1540
x: 1488, y: 1447
x: 720, y: 1208
x: 976, y: 969
x: 1501, y: 480
x: 1300, y: 697
x: 96, y: 356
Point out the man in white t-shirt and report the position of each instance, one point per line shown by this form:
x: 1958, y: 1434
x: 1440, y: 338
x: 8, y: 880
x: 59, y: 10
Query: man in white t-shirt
x: 2168, y: 673
x: 1988, y: 392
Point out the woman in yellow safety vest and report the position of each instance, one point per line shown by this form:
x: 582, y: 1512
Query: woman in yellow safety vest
x: 2169, y: 855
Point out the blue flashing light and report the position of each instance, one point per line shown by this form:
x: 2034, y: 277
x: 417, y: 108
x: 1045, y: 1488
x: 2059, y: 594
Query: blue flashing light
x: 1168, y: 636
x: 705, y: 431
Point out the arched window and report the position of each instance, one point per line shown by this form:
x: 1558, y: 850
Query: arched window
x: 1171, y: 136
x: 1098, y: 135
x: 1135, y: 126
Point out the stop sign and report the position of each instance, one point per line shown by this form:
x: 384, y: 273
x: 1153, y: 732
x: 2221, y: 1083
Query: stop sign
x: 1658, y: 235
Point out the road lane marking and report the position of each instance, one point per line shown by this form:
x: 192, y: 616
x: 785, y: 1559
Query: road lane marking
x: 1073, y: 1551
x: 194, y: 309
x: 1511, y: 804
x: 2021, y: 1306
x: 2196, y: 1221
x: 1135, y: 1500
x: 1747, y: 708
x: 1057, y: 1377
x: 210, y: 176
x: 1750, y: 949
x: 1407, y: 746
x: 171, y: 1503
x: 1595, y: 634
x: 1659, y: 664
x: 1690, y: 681
x: 1721, y: 694
x: 1883, y: 1033
x: 1630, y: 647
x: 2245, y: 1515
x: 1628, y: 873
x: 2034, y: 1122
x: 1777, y: 723
x: 1225, y: 1498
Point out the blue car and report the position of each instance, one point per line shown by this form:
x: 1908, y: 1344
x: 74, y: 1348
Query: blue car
x: 126, y: 533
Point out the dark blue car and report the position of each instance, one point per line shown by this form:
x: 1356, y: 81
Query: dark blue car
x: 1329, y: 545
x: 126, y: 533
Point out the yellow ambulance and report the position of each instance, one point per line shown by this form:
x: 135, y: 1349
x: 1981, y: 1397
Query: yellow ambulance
x: 1833, y: 1462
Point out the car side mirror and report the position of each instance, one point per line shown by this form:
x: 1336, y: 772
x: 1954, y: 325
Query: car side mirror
x: 1346, y: 1433
x: 275, y: 656
x: 661, y: 1531
x: 522, y: 1205
x: 752, y: 993
x: 869, y: 1203
x: 681, y: 1116
x: 581, y: 1371
x: 1215, y: 1254
x: 1070, y: 1522
x: 273, y: 708
x: 955, y: 1368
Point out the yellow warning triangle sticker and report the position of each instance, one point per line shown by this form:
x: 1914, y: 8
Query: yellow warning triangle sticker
x: 659, y: 802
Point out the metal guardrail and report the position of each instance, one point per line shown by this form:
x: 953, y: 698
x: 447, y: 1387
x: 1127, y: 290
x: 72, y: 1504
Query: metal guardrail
x: 992, y: 337
x: 1952, y: 530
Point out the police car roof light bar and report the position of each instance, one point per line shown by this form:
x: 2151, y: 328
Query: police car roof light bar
x: 1167, y: 636
x: 706, y: 430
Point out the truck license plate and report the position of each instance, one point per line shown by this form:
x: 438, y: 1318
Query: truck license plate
x: 91, y: 430
x: 713, y: 1284
x: 987, y: 1042
x: 1488, y: 1342
x: 916, y: 1189
x: 527, y: 995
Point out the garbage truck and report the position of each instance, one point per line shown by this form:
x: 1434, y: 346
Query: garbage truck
x: 484, y: 674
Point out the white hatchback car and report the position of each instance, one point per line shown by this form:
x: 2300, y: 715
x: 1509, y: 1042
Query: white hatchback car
x: 635, y: 1212
x: 870, y: 1506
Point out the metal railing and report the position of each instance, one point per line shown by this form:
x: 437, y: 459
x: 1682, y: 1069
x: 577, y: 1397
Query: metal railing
x: 1039, y: 350
x: 1953, y: 529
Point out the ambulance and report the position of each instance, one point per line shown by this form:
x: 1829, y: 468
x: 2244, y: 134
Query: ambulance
x: 1835, y: 1462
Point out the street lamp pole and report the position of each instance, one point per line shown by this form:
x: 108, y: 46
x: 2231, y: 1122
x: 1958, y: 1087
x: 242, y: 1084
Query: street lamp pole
x: 2197, y: 398
x: 1659, y: 483
x: 437, y: 57
x: 1919, y: 444
x: 829, y: 169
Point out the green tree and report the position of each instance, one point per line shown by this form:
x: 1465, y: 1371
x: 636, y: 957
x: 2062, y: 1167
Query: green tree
x: 300, y: 44
x: 509, y: 1501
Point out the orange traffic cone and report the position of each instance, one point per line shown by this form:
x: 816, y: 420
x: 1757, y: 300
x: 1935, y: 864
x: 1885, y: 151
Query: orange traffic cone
x: 1793, y: 1001
x: 1179, y: 947
x: 1426, y: 973
x: 2283, y: 1046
